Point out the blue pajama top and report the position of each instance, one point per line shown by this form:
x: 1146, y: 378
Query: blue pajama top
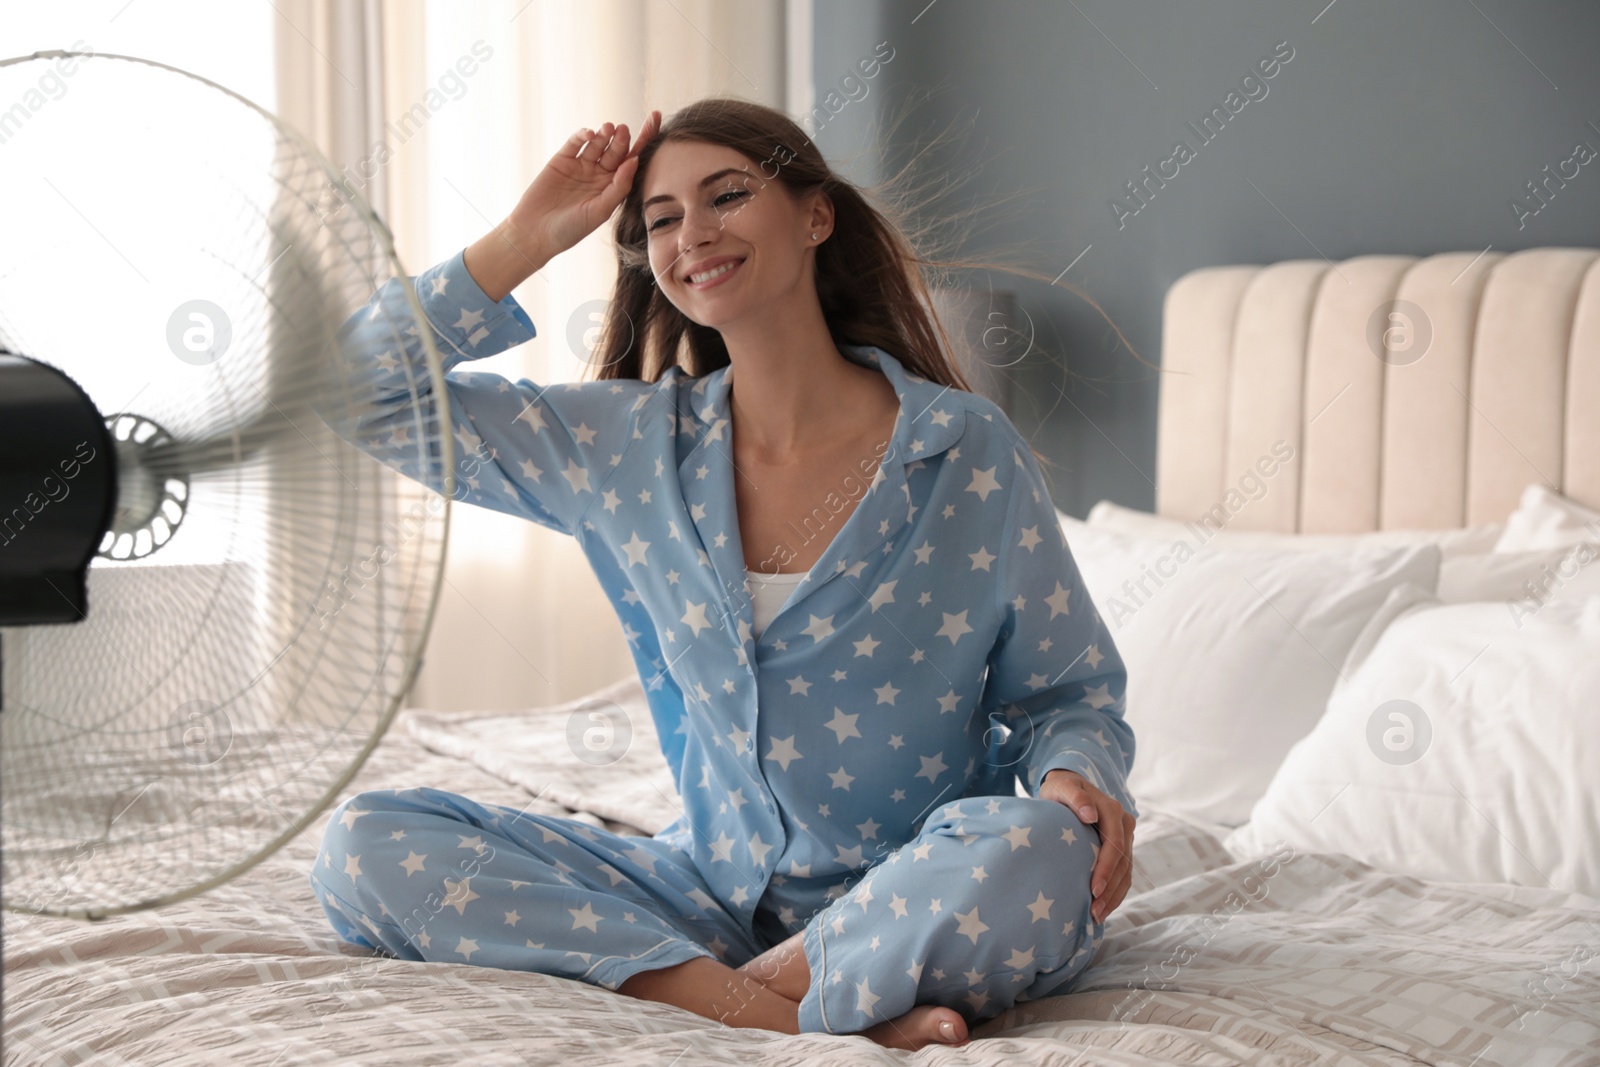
x: 942, y: 645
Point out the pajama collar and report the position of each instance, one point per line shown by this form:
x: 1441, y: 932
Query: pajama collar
x: 931, y: 420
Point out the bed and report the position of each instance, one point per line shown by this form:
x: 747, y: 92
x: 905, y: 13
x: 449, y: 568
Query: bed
x: 1267, y: 923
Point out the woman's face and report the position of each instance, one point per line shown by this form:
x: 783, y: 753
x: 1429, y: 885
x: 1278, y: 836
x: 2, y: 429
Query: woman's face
x: 708, y: 206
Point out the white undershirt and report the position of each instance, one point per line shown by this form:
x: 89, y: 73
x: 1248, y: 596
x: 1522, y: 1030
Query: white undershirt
x: 768, y: 593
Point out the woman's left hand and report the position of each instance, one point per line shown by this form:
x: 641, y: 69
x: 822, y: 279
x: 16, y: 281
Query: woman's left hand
x: 1113, y: 868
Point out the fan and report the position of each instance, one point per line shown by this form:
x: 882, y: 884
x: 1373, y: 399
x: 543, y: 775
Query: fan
x: 212, y: 600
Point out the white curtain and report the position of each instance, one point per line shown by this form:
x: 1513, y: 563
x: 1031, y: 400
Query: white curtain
x: 471, y: 100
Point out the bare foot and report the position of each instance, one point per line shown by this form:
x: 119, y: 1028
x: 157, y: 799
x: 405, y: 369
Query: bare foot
x: 925, y: 1024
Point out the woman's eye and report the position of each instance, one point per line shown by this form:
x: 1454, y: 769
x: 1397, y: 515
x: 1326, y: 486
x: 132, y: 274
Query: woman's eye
x: 718, y: 202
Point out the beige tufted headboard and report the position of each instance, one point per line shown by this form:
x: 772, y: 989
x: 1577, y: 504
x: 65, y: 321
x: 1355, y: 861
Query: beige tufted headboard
x: 1489, y: 379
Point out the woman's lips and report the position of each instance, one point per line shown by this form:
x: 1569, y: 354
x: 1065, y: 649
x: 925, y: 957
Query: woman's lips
x: 719, y: 279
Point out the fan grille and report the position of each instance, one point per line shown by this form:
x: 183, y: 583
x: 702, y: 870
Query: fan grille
x: 188, y: 260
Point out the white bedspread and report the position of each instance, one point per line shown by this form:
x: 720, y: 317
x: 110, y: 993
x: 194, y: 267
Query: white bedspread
x: 1321, y: 961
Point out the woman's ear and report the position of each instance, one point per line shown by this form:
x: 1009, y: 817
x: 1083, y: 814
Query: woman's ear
x: 821, y: 216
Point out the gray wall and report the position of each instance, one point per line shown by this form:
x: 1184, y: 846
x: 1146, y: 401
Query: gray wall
x: 1396, y: 128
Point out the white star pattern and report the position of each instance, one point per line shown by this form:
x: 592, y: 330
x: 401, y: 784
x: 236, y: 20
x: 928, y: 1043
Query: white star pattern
x: 884, y: 594
x: 932, y: 766
x: 955, y: 626
x: 636, y: 550
x: 576, y: 476
x: 532, y: 416
x: 459, y: 894
x: 1018, y: 837
x: 695, y: 616
x: 983, y: 483
x: 817, y: 629
x: 971, y: 926
x: 842, y: 725
x: 865, y: 998
x: 783, y: 751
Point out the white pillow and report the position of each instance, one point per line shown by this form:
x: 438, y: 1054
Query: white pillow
x: 1546, y: 519
x: 1463, y: 748
x: 1531, y: 578
x: 1453, y: 541
x: 1231, y: 653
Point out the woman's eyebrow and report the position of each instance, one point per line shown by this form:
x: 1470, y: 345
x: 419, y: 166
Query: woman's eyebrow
x: 707, y: 180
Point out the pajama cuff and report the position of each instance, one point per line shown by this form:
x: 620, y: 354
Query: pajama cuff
x: 468, y: 324
x: 1082, y: 763
x: 667, y: 954
x: 813, y: 1018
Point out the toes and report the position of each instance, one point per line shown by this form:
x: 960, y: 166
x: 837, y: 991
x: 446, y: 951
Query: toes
x: 921, y: 1026
x: 950, y: 1026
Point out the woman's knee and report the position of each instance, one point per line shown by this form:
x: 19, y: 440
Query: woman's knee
x: 348, y: 825
x: 1026, y: 830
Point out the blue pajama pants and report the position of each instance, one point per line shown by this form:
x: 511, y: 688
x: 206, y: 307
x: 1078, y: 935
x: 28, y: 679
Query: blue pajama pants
x: 986, y: 907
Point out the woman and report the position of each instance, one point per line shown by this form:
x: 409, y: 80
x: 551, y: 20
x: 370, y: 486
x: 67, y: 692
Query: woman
x: 845, y: 711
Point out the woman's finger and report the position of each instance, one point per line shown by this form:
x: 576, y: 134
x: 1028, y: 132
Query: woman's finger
x: 594, y: 142
x: 1077, y: 797
x: 1116, y: 883
x: 1113, y: 850
x: 617, y: 150
x: 647, y: 132
x: 575, y: 143
x: 1123, y: 880
x: 1118, y: 892
x: 621, y: 181
x: 1125, y: 885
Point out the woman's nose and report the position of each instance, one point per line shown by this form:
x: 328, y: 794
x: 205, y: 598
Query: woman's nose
x: 700, y: 225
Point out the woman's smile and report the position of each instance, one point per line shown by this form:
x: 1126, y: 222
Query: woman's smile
x: 716, y: 275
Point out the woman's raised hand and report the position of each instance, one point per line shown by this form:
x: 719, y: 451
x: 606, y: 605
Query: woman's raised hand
x: 575, y: 192
x: 581, y: 185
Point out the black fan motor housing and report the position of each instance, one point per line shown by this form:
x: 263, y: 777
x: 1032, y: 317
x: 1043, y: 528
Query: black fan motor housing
x: 58, y: 493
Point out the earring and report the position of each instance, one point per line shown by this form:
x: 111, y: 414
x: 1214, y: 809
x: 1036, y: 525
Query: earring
x: 813, y: 237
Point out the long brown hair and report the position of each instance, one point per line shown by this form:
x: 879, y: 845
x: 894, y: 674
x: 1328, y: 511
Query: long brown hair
x: 874, y: 273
